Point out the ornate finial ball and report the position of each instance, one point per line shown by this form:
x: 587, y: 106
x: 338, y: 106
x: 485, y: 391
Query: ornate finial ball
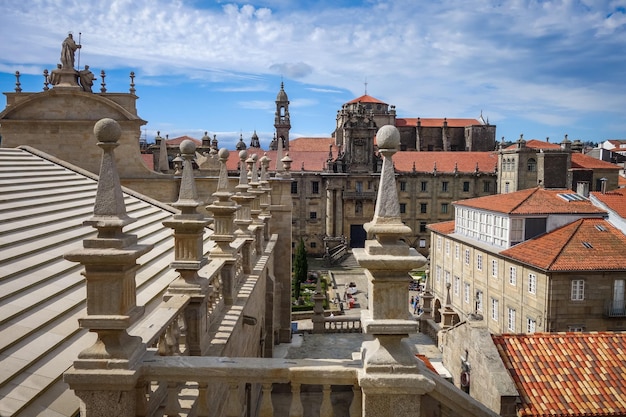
x: 254, y: 157
x: 243, y: 154
x: 107, y: 130
x: 187, y: 147
x: 388, y: 137
x: 223, y: 153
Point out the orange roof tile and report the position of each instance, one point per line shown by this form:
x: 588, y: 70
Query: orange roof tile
x: 365, y: 99
x: 584, y: 245
x: 312, y: 144
x: 537, y: 144
x: 445, y: 228
x: 621, y: 181
x: 148, y: 159
x: 614, y: 200
x: 583, y: 161
x: 435, y: 122
x: 465, y: 162
x: 532, y: 201
x: 567, y: 374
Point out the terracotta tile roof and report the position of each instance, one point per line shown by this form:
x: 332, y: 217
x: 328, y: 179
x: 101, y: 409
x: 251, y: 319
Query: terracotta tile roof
x: 465, y: 162
x: 621, y: 181
x: 614, y: 200
x: 532, y: 201
x: 582, y: 161
x: 567, y: 374
x: 537, y: 144
x: 435, y: 122
x: 148, y: 160
x: 445, y: 228
x: 584, y: 245
x: 365, y: 99
x: 312, y: 144
x: 178, y: 140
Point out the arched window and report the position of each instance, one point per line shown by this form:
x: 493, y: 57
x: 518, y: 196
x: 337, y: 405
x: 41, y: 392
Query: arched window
x: 532, y: 165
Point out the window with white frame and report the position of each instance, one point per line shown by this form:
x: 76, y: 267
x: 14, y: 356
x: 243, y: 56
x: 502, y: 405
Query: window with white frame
x: 578, y: 289
x: 438, y: 274
x: 447, y: 277
x: 531, y: 325
x: 479, y: 300
x: 447, y: 247
x: 466, y: 292
x: 517, y: 230
x: 532, y: 283
x: 467, y: 257
x: 457, y: 285
x: 494, y: 268
x: 576, y: 328
x: 479, y: 262
x: 438, y: 242
x: 513, y: 275
x: 494, y: 309
x: 457, y: 251
x: 511, y: 319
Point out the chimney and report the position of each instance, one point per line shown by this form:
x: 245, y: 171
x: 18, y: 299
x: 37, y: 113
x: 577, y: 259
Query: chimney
x: 603, y: 182
x: 582, y: 189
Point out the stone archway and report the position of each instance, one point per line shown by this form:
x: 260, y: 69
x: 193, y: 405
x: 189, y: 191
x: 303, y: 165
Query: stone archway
x: 437, y: 311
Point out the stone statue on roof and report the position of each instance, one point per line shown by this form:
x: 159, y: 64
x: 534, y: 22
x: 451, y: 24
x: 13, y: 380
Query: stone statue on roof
x: 68, y: 50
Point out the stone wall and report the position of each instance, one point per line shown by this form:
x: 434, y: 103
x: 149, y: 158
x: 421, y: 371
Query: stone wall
x: 490, y: 382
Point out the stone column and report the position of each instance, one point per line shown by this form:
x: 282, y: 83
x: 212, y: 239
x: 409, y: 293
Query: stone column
x: 318, y: 308
x: 105, y: 374
x: 189, y: 227
x: 255, y: 207
x: 223, y: 210
x: 265, y: 197
x: 391, y: 380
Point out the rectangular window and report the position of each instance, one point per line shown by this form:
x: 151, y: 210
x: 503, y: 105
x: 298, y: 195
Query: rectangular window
x: 512, y: 275
x: 466, y: 186
x: 359, y: 186
x: 578, y: 289
x: 313, y: 245
x: 402, y: 208
x: 444, y: 186
x: 532, y: 283
x: 422, y: 243
x: 467, y: 257
x: 313, y: 215
x: 438, y: 242
x: 494, y: 268
x: 466, y: 292
x: 479, y: 300
x: 444, y: 208
x: 511, y: 320
x: 422, y: 227
x: 531, y: 325
x: 447, y: 247
x: 423, y: 207
x: 402, y: 185
x: 457, y: 251
x: 479, y: 262
x: 438, y: 274
x: 494, y: 309
x: 486, y: 187
x: 424, y: 186
x: 457, y: 285
x: 294, y: 187
x: 447, y: 277
x: 315, y: 187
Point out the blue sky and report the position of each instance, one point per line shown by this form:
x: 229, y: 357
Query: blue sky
x: 541, y: 68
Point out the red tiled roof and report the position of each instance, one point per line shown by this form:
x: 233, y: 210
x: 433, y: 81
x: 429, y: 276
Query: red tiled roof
x: 532, y: 201
x: 178, y: 140
x: 465, y: 162
x: 537, y: 144
x: 365, y: 99
x: 621, y: 181
x: 583, y: 161
x: 427, y: 362
x: 445, y: 228
x: 435, y: 122
x: 567, y: 374
x: 312, y: 144
x: 614, y: 200
x: 148, y: 159
x: 584, y: 245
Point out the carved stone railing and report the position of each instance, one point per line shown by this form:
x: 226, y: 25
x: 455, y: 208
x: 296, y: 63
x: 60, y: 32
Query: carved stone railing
x: 342, y: 324
x: 192, y: 380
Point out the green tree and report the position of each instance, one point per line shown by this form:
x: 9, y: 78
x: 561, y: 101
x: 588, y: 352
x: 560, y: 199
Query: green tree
x: 300, y: 267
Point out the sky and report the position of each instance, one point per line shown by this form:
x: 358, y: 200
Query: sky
x: 541, y: 68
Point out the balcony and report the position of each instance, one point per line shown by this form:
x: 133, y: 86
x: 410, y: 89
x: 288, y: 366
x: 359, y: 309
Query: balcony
x: 615, y: 308
x: 359, y: 195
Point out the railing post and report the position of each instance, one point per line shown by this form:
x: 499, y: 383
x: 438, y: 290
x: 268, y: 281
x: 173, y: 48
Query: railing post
x: 390, y: 381
x: 223, y: 210
x: 265, y: 198
x: 105, y: 375
x: 243, y: 218
x: 318, y: 308
x: 257, y: 225
x: 189, y: 227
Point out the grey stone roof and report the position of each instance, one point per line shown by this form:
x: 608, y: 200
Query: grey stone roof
x: 43, y: 203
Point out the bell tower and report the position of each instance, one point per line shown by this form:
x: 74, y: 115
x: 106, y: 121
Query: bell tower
x: 281, y: 119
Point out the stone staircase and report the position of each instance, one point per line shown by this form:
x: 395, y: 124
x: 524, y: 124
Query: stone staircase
x: 42, y: 209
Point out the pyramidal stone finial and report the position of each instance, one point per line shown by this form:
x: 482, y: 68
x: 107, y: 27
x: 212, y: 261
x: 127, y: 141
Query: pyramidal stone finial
x: 187, y: 195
